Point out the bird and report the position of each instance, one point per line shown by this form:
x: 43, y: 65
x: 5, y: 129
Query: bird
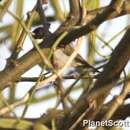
x: 62, y: 54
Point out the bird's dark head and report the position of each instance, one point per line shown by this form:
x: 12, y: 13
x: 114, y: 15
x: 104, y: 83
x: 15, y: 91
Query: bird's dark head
x: 38, y: 33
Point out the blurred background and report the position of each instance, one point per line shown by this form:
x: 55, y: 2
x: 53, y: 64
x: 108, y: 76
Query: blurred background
x: 103, y: 41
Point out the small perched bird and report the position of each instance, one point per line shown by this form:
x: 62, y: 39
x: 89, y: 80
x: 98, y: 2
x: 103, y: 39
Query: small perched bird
x: 61, y: 55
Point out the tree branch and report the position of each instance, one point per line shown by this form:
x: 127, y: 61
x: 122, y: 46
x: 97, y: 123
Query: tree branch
x: 103, y: 85
x: 11, y: 74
